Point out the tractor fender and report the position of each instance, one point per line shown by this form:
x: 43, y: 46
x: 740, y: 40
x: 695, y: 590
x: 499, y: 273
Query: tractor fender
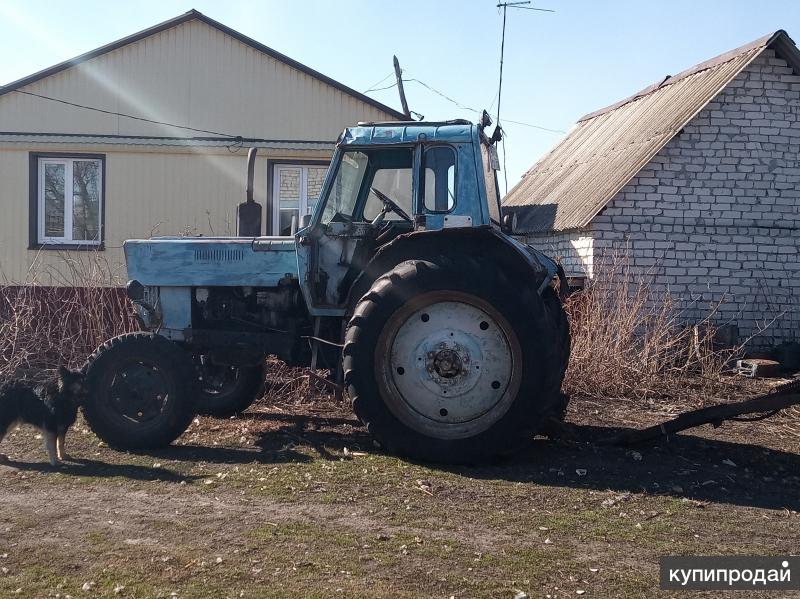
x: 524, y: 261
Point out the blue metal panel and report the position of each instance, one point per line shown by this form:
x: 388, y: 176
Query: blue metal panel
x: 175, y: 306
x: 210, y: 261
x: 397, y: 134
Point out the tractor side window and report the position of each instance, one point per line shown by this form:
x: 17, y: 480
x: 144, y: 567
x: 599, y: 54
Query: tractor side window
x: 392, y: 176
x: 439, y: 178
x: 343, y: 197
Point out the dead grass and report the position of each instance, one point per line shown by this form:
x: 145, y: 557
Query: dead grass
x: 42, y: 327
x: 630, y: 339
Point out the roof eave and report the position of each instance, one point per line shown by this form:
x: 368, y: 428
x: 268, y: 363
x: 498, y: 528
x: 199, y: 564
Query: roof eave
x: 779, y: 40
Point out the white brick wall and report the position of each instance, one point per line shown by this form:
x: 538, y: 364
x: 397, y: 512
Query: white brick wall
x: 573, y: 250
x: 715, y: 216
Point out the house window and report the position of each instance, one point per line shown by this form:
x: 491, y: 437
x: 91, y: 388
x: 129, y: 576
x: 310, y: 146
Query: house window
x: 68, y: 207
x: 295, y: 190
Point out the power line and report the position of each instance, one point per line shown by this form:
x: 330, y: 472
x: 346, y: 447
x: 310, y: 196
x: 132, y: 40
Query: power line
x: 443, y: 95
x: 535, y: 126
x: 374, y: 85
x: 463, y: 107
x: 129, y: 116
x: 378, y: 89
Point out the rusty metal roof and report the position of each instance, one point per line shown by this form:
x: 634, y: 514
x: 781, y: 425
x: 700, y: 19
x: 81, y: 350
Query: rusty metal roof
x: 605, y: 149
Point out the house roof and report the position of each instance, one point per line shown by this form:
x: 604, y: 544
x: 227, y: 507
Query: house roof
x: 179, y: 20
x: 571, y: 184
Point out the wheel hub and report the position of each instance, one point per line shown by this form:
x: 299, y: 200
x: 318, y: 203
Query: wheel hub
x: 447, y: 365
x: 139, y: 392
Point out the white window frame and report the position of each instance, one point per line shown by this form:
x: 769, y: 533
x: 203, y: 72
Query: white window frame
x: 303, y: 202
x: 67, y: 239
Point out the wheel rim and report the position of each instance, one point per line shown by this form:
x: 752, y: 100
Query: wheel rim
x: 139, y: 393
x: 219, y: 382
x: 448, y: 364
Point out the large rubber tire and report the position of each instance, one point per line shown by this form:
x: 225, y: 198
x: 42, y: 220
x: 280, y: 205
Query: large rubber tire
x: 518, y: 311
x: 241, y: 387
x: 142, y: 391
x: 563, y: 341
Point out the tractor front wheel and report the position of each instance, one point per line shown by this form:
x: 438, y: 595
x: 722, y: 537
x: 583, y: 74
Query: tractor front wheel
x: 450, y: 361
x: 142, y: 391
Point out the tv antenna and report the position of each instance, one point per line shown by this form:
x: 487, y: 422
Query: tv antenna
x: 505, y: 6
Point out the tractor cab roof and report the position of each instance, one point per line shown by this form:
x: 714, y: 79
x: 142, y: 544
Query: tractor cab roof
x: 404, y: 132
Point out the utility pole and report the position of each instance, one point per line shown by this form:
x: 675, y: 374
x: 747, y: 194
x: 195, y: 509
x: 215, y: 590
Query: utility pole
x: 398, y: 73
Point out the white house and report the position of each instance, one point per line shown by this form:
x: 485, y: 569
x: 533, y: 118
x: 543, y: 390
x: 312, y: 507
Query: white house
x: 90, y: 153
x: 696, y: 179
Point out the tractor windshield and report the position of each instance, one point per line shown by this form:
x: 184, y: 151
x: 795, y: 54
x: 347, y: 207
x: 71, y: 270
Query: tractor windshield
x: 343, y: 197
x: 351, y: 197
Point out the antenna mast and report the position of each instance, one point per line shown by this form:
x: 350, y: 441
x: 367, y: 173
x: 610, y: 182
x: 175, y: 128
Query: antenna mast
x: 497, y: 135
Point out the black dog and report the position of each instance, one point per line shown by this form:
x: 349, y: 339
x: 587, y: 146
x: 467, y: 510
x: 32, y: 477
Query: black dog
x: 51, y: 407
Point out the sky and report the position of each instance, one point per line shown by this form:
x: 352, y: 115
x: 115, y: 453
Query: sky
x: 558, y: 66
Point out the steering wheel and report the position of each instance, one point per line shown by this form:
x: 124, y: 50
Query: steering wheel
x: 389, y: 205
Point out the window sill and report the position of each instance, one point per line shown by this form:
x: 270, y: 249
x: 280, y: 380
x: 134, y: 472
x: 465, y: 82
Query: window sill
x: 77, y: 247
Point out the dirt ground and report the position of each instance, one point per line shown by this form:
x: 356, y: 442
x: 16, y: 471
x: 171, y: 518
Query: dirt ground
x: 297, y: 502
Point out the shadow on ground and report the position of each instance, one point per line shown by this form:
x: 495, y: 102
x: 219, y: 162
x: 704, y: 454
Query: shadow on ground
x: 97, y: 469
x: 706, y: 470
x: 683, y: 466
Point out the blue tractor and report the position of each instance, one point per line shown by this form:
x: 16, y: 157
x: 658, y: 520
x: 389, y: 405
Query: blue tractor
x: 448, y: 334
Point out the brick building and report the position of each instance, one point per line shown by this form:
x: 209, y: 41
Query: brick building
x: 696, y: 179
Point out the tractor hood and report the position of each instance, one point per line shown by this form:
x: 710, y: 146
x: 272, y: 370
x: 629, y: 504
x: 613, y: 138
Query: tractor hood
x: 211, y: 261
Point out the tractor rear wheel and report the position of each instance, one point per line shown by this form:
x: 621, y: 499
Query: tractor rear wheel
x: 141, y: 391
x: 228, y: 390
x: 448, y: 360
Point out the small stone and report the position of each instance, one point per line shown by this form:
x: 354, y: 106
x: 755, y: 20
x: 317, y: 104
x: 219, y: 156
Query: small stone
x: 521, y: 595
x: 218, y: 560
x: 87, y: 586
x: 118, y: 589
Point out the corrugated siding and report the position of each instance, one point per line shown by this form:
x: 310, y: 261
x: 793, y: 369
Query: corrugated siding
x: 147, y: 193
x: 568, y: 187
x: 194, y: 75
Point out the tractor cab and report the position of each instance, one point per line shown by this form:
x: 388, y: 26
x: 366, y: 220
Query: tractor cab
x: 388, y: 180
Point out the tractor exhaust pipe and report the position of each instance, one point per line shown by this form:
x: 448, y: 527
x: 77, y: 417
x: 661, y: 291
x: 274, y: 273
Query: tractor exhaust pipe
x: 248, y: 213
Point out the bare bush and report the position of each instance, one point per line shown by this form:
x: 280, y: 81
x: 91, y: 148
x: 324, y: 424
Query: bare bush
x: 630, y: 339
x: 42, y: 327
